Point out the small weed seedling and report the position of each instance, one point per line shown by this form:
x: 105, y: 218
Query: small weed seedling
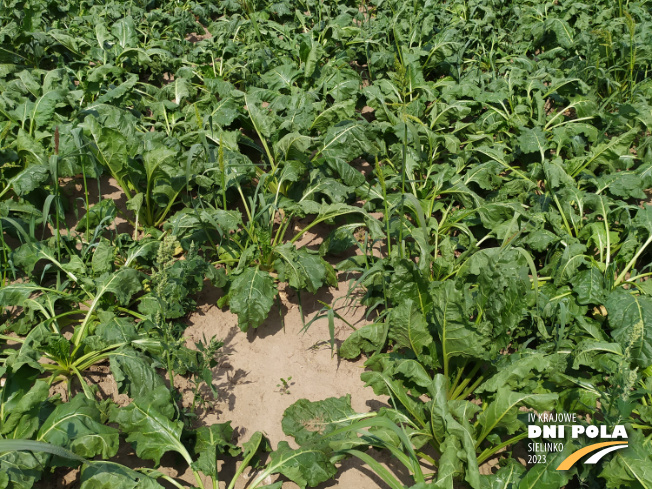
x: 284, y: 386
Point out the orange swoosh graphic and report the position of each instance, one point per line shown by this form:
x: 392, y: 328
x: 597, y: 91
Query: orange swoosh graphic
x: 575, y: 456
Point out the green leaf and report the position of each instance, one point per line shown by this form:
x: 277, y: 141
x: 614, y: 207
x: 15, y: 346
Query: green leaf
x: 212, y: 441
x: 630, y: 318
x: 289, y: 147
x: 20, y: 400
x: 545, y: 475
x: 408, y: 283
x: 311, y: 52
x: 303, y: 466
x: 102, y: 214
x: 409, y: 329
x: 119, y: 91
x: 631, y: 467
x: 151, y: 431
x: 23, y: 420
x: 515, y: 370
x: 532, y: 140
x: 264, y: 122
x: 308, y: 422
x: 369, y: 338
x: 111, y: 150
x: 507, y: 477
x: 589, y: 286
x: 450, y: 465
x: 31, y: 178
x: 109, y: 475
x: 301, y: 269
x: 16, y: 294
x: 281, y: 77
x: 643, y: 219
x: 102, y: 261
x: 251, y: 297
x: 123, y: 284
x: 503, y: 411
x: 23, y: 468
x: 594, y: 353
x: 35, y: 155
x: 343, y: 143
x: 125, y: 31
x: 455, y: 330
x: 335, y: 113
x: 134, y: 373
x: 76, y: 425
x: 563, y: 31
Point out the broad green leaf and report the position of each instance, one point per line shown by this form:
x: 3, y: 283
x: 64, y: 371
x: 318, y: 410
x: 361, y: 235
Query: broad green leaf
x: 595, y: 353
x: 212, y: 441
x: 304, y: 466
x: 23, y: 468
x: 119, y: 91
x: 503, y: 411
x: 20, y: 399
x: 134, y: 373
x: 507, y: 477
x: 438, y: 406
x: 151, y: 431
x: 515, y: 370
x: 109, y: 475
x: 450, y: 465
x: 44, y: 107
x: 643, y: 218
x: 369, y: 338
x: 251, y: 297
x: 77, y: 425
x: 263, y: 121
x: 334, y: 114
x: 31, y: 178
x: 35, y: 155
x: 631, y: 467
x: 311, y: 53
x: 309, y: 421
x: 16, y: 294
x: 102, y: 261
x: 280, y: 77
x: 125, y: 32
x: 453, y: 326
x: 102, y: 213
x: 342, y: 144
x: 409, y: 329
x: 589, y: 285
x: 111, y: 150
x: 408, y: 283
x: 563, y: 31
x: 301, y: 269
x: 545, y: 475
x: 23, y: 421
x: 123, y: 284
x: 630, y: 318
x: 532, y: 140
x: 384, y: 381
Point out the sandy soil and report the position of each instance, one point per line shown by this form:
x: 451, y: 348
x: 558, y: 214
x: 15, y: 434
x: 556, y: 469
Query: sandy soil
x: 248, y: 377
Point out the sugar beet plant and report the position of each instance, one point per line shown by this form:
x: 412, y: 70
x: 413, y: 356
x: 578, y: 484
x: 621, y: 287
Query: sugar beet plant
x: 485, y: 166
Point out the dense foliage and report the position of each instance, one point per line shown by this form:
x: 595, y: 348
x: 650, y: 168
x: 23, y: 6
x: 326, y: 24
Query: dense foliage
x: 487, y: 163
